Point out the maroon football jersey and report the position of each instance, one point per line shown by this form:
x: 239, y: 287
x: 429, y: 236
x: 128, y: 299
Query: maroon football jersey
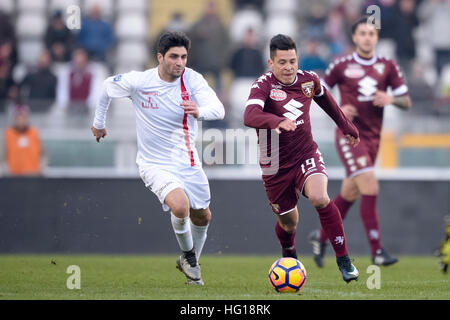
x: 278, y: 102
x: 358, y: 79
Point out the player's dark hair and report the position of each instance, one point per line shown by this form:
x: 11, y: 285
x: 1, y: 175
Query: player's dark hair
x: 172, y: 39
x: 281, y: 42
x: 362, y: 20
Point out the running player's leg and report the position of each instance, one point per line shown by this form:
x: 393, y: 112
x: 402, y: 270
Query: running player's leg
x: 283, y: 198
x: 330, y: 218
x: 178, y: 203
x: 348, y: 195
x: 200, y: 219
x: 199, y: 195
x: 315, y: 188
x: 285, y: 229
x: 368, y: 186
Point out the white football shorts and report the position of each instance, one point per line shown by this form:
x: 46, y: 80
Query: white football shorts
x: 161, y: 180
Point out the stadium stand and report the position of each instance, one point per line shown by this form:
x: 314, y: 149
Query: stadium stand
x: 137, y: 23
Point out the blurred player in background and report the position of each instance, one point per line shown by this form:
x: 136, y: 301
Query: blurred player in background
x: 280, y: 100
x: 363, y: 79
x: 168, y: 101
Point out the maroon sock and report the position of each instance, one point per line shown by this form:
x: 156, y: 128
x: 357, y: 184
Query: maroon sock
x: 331, y: 222
x: 369, y: 216
x: 287, y: 240
x: 343, y: 206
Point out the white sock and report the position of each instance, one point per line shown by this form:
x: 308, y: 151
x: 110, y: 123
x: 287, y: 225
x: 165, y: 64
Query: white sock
x: 199, y: 234
x: 182, y: 229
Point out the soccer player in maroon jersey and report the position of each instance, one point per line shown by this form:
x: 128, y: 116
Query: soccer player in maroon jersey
x: 363, y: 78
x: 280, y: 100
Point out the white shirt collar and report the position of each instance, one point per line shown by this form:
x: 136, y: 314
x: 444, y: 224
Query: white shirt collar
x: 364, y: 61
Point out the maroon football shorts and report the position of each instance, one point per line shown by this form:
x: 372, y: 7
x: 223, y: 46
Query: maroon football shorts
x: 356, y: 160
x: 282, y: 188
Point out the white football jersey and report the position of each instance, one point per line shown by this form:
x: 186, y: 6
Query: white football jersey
x: 165, y: 134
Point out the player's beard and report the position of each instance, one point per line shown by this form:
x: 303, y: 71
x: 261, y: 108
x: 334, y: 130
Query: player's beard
x: 173, y: 72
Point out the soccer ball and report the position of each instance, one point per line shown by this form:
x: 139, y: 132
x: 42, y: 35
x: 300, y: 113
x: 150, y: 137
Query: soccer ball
x: 287, y: 275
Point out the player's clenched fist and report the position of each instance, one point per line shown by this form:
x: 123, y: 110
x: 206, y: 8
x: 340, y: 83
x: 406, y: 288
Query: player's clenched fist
x: 190, y: 107
x: 287, y: 125
x: 352, y: 140
x: 98, y: 133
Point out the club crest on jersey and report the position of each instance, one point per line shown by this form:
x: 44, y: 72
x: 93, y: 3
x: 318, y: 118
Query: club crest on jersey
x: 308, y: 88
x: 354, y: 70
x: 379, y: 67
x: 278, y: 95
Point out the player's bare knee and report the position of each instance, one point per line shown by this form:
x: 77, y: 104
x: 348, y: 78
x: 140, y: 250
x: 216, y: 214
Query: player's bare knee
x: 200, y: 217
x: 289, y: 227
x: 180, y: 209
x: 319, y: 201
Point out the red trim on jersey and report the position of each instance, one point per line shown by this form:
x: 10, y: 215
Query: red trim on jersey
x: 185, y: 96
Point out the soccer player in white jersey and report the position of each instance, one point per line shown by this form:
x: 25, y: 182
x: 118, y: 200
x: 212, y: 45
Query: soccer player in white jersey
x: 168, y: 101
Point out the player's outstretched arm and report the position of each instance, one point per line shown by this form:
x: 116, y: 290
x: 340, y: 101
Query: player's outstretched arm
x: 329, y: 105
x: 120, y: 86
x: 255, y: 117
x: 98, y: 128
x: 382, y: 98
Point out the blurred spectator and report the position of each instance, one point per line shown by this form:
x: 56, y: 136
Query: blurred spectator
x: 311, y: 60
x: 241, y: 4
x: 387, y: 16
x: 435, y: 15
x: 210, y: 40
x: 247, y: 59
x: 8, y: 40
x: 76, y: 86
x: 421, y: 91
x: 316, y: 20
x: 38, y: 87
x: 176, y: 23
x: 405, y: 23
x: 6, y: 79
x: 24, y: 153
x: 336, y: 31
x: 96, y: 35
x: 59, y: 40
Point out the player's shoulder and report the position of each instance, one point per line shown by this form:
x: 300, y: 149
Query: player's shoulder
x: 263, y: 81
x: 130, y: 76
x: 307, y: 75
x: 192, y: 77
x: 388, y: 61
x: 339, y: 62
x: 191, y: 74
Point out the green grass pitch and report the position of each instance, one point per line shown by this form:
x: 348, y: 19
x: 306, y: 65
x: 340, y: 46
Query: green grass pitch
x: 226, y: 278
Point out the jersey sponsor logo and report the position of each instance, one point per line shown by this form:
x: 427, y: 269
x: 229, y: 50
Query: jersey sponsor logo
x: 276, y: 86
x: 367, y: 87
x: 379, y: 67
x: 354, y: 71
x: 278, y: 95
x: 308, y: 88
x: 293, y: 107
x: 150, y: 104
x: 117, y: 78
